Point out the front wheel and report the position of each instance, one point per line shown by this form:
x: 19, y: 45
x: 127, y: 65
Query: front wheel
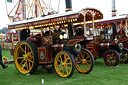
x: 85, y: 62
x: 111, y: 58
x: 64, y: 64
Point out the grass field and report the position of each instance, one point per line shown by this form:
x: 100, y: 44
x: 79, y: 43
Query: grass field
x: 101, y: 75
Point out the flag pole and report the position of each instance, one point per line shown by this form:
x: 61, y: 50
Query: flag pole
x: 6, y: 7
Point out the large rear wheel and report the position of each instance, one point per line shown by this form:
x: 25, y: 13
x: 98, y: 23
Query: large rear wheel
x: 64, y: 64
x: 111, y: 58
x: 25, y: 57
x: 85, y: 62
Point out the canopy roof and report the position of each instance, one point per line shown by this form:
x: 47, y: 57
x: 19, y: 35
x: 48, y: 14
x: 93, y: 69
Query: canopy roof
x: 109, y: 20
x: 70, y: 16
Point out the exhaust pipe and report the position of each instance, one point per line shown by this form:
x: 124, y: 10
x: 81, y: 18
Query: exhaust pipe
x: 68, y: 5
x: 70, y: 24
x: 114, y: 11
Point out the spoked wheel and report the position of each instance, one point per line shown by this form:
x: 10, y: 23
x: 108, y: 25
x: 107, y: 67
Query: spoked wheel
x: 64, y: 64
x: 111, y: 58
x: 25, y: 57
x: 84, y: 63
x: 124, y: 56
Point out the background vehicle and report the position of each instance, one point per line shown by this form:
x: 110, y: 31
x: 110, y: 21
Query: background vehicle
x: 110, y: 40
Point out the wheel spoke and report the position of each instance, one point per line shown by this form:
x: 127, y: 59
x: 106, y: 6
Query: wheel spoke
x: 25, y: 49
x: 19, y: 57
x: 60, y: 61
x: 22, y: 49
x: 27, y: 65
x: 30, y: 60
x: 65, y: 58
x: 68, y: 68
x: 60, y: 68
x: 22, y: 62
x: 82, y: 55
x: 63, y: 70
x: 69, y: 63
x: 88, y: 60
x: 87, y: 64
x: 23, y: 65
x: 28, y: 49
x: 29, y: 53
x: 84, y: 66
x: 61, y: 58
x: 58, y: 65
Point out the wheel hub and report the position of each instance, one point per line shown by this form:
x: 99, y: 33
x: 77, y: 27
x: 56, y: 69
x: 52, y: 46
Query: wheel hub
x: 64, y: 64
x: 25, y: 57
x: 84, y: 60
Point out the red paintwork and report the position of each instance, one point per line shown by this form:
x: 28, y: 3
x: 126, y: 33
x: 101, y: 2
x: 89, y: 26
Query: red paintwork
x: 42, y: 49
x: 73, y: 41
x: 104, y: 46
x: 90, y: 47
x: 49, y: 53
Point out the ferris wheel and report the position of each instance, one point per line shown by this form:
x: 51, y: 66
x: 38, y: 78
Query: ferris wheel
x: 26, y: 9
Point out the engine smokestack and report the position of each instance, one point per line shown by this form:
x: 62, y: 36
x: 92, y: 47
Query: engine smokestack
x: 114, y: 11
x: 68, y: 5
x: 70, y: 24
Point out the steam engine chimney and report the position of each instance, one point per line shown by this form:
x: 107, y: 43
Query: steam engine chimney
x: 114, y: 14
x: 113, y: 9
x: 70, y: 24
x: 68, y: 5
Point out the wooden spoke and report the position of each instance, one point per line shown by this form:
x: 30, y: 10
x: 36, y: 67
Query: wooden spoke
x: 61, y: 58
x: 23, y: 65
x: 60, y: 61
x: 27, y: 66
x: 88, y: 60
x: 58, y: 65
x: 82, y: 55
x: 30, y: 61
x: 84, y: 66
x: 67, y: 59
x: 68, y: 68
x: 22, y: 49
x: 22, y: 61
x: 25, y: 49
x: 19, y: 57
x: 87, y: 64
x: 69, y: 63
x: 29, y: 53
x: 63, y: 70
x: 64, y: 57
x: 60, y: 68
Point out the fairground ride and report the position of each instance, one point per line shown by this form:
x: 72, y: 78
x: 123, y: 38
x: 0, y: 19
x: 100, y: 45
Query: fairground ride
x: 27, y: 9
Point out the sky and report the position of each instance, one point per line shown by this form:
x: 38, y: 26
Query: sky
x: 105, y: 6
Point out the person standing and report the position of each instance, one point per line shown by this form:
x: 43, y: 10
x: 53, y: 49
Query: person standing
x: 1, y: 61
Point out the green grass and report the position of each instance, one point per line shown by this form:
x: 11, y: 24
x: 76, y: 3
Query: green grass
x: 101, y: 75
